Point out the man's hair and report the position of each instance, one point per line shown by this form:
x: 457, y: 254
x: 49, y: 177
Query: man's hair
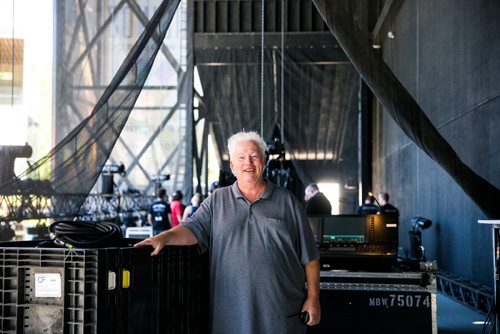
x: 197, y: 197
x: 370, y: 199
x: 246, y: 136
x: 161, y: 192
x: 385, y: 196
x: 213, y: 186
x: 177, y: 195
x: 312, y: 186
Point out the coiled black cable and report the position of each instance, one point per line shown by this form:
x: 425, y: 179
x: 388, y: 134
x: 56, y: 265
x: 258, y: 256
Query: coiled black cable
x: 84, y: 234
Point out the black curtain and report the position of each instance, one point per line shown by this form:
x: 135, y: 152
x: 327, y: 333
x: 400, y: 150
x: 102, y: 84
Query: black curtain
x: 402, y: 107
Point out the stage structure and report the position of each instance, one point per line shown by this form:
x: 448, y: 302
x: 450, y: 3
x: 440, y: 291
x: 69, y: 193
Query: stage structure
x: 122, y: 82
x: 156, y: 139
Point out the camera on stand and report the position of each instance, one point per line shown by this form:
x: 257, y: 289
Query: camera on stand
x: 417, y: 250
x: 108, y: 171
x: 114, y: 169
x: 158, y: 179
x: 275, y: 147
x: 278, y: 170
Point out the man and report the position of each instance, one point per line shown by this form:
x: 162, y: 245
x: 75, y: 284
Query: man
x: 177, y: 208
x: 261, y: 246
x: 159, y: 213
x: 385, y: 206
x: 193, y: 207
x: 368, y: 206
x: 316, y: 201
x: 213, y: 187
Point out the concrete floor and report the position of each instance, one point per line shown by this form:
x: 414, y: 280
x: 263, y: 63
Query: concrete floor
x: 455, y: 318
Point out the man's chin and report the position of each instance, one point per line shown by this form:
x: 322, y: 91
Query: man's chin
x: 249, y: 177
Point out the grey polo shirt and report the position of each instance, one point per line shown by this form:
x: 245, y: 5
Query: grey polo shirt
x: 257, y: 255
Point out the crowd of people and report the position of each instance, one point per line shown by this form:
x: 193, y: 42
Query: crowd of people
x: 316, y: 203
x: 168, y: 213
x: 382, y: 205
x: 165, y: 213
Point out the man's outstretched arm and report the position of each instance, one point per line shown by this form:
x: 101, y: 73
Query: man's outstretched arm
x: 178, y: 236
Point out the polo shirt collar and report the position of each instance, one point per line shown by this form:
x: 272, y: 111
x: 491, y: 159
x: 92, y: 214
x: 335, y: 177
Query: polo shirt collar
x: 268, y: 192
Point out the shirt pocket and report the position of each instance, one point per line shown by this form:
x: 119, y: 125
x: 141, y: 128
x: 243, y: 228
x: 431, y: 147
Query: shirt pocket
x: 277, y: 233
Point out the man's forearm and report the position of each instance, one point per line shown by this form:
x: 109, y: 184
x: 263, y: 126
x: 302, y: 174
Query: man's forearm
x: 312, y: 278
x: 177, y: 236
x: 311, y: 304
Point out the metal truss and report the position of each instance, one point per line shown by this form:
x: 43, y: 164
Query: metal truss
x: 468, y: 293
x: 88, y: 31
x: 99, y: 207
x: 96, y: 207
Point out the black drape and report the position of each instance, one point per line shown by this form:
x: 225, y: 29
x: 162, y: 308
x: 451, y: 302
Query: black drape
x: 405, y: 111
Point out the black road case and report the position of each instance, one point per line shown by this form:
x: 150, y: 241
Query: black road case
x: 377, y: 302
x: 105, y: 290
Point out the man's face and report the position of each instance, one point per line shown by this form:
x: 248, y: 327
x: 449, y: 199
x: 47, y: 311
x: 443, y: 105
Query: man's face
x: 247, y: 163
x: 308, y: 193
x: 381, y: 200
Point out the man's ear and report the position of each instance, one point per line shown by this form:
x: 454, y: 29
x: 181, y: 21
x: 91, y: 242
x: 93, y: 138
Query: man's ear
x: 232, y: 167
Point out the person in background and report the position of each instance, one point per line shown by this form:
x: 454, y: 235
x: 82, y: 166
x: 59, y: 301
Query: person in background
x: 261, y: 247
x: 316, y: 201
x: 385, y: 206
x: 191, y: 209
x: 368, y: 206
x: 213, y: 187
x: 177, y: 208
x: 159, y: 213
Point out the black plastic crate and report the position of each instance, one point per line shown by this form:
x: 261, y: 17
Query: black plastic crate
x: 105, y: 290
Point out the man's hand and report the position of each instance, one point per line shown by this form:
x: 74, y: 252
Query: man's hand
x: 177, y: 236
x: 157, y: 242
x: 311, y: 306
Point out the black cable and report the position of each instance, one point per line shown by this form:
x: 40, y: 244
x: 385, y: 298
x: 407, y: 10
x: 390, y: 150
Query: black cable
x: 82, y: 234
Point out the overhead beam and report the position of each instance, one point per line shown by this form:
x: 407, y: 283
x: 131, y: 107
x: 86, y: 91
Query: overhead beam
x: 319, y: 47
x: 253, y: 39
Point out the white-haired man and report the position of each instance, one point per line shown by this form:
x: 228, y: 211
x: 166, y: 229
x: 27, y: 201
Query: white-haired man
x: 262, y: 250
